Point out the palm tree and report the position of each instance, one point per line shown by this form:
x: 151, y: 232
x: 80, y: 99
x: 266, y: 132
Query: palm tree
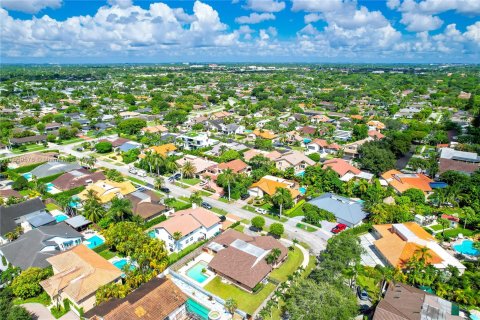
x: 158, y: 183
x: 230, y: 177
x: 231, y: 305
x: 170, y: 166
x: 281, y: 198
x: 444, y: 223
x: 120, y: 208
x: 177, y: 235
x: 188, y: 170
x: 273, y: 256
x: 159, y: 162
x: 149, y: 160
x: 422, y: 254
x: 93, y: 213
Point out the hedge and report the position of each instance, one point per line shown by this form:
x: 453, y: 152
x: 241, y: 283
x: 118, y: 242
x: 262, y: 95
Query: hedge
x: 68, y: 193
x: 154, y: 221
x: 101, y: 247
x: 28, y: 168
x: 361, y: 229
x: 174, y: 257
x: 49, y: 178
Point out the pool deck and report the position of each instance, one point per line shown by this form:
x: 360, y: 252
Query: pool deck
x: 202, y: 257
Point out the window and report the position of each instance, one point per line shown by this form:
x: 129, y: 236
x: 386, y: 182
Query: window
x: 191, y: 238
x: 170, y: 238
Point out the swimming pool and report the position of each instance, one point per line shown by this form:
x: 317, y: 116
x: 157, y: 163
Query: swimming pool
x: 195, y: 307
x: 466, y: 247
x: 49, y: 186
x: 94, y: 242
x: 151, y: 234
x: 196, y: 273
x: 306, y: 140
x: 27, y: 175
x: 302, y: 190
x: 300, y: 174
x: 74, y: 202
x: 120, y: 264
x: 61, y: 217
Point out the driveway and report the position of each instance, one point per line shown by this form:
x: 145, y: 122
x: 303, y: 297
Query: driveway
x: 370, y: 257
x: 40, y: 312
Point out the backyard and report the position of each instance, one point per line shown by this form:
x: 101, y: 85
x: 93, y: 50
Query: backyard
x: 248, y: 302
x: 293, y: 262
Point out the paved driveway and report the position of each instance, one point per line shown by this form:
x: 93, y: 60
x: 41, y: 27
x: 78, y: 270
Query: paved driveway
x: 370, y: 257
x: 40, y: 312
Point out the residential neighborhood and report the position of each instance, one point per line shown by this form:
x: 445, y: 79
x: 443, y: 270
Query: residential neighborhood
x: 207, y: 192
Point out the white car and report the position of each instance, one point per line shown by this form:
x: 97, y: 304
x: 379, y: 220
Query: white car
x: 261, y: 210
x: 141, y: 173
x: 132, y: 170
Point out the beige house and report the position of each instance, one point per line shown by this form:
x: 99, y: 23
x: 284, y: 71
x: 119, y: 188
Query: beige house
x: 77, y: 275
x: 294, y: 159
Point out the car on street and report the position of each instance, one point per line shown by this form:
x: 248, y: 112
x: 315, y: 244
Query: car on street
x: 245, y: 196
x: 165, y: 190
x: 261, y: 210
x: 339, y: 228
x: 206, y: 205
x: 362, y: 293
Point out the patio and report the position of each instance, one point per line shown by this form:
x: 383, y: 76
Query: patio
x: 196, y: 275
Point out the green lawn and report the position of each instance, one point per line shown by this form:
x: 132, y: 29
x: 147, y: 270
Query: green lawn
x: 271, y: 216
x: 248, y: 302
x: 294, y: 260
x: 239, y: 228
x: 178, y: 205
x: 143, y: 183
x: 296, y: 210
x: 107, y: 254
x: 70, y: 141
x: 25, y: 193
x: 42, y: 298
x: 191, y: 182
x: 52, y: 206
x: 455, y: 232
x: 30, y: 148
x: 436, y: 227
x: 306, y: 227
x: 219, y: 211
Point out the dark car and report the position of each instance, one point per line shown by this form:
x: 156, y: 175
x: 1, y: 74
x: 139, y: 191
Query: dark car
x: 177, y: 176
x: 244, y: 196
x: 362, y: 293
x: 339, y: 228
x: 206, y: 205
x: 165, y: 190
x: 223, y: 218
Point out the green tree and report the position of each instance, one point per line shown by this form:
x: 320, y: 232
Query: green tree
x: 376, y: 157
x: 27, y: 284
x: 416, y: 195
x: 103, y: 147
x: 21, y: 183
x: 308, y: 300
x: 276, y: 229
x: 227, y: 177
x: 196, y: 198
x: 282, y: 199
x: 360, y: 131
x: 258, y: 222
x: 92, y: 208
x: 272, y: 257
x: 131, y: 126
x: 231, y: 305
x: 120, y: 208
x: 188, y: 170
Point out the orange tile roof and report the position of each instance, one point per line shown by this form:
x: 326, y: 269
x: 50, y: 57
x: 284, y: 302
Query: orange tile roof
x: 402, y: 182
x: 164, y: 149
x: 270, y: 187
x: 265, y: 134
x: 340, y: 166
x: 398, y: 251
x: 189, y: 220
x: 236, y: 165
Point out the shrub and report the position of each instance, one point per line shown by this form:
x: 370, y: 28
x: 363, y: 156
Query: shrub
x: 277, y: 229
x: 20, y: 184
x: 27, y: 284
x: 103, y: 147
x: 258, y: 222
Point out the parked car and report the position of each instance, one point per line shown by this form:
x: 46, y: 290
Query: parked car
x: 261, y: 210
x: 141, y: 189
x: 362, y: 293
x: 165, y: 190
x: 339, y: 228
x: 141, y: 173
x: 245, y: 196
x: 132, y: 170
x: 206, y: 205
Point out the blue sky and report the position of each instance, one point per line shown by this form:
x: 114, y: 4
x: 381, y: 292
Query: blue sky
x: 423, y: 31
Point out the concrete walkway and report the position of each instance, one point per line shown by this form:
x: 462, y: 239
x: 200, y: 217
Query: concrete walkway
x: 40, y: 312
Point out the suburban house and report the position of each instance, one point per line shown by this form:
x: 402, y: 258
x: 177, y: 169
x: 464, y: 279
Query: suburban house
x: 351, y: 149
x: 146, y: 204
x: 154, y: 129
x: 398, y: 243
x: 342, y: 135
x: 28, y: 140
x: 346, y: 211
x: 345, y: 170
x: 128, y: 114
x: 322, y: 146
x: 237, y: 166
x: 53, y: 168
x: 164, y: 150
x: 193, y: 140
x: 53, y: 126
x: 158, y: 299
x: 401, y: 182
x: 201, y: 165
x: 116, y: 143
x: 260, y: 133
x: 375, y: 125
x: 270, y: 184
x: 28, y: 215
x: 77, y: 178
x: 33, y: 248
x: 191, y: 225
x: 320, y: 118
x: 293, y: 159
x: 129, y: 145
x: 451, y: 159
x: 77, y: 275
x: 376, y: 135
x: 241, y: 259
x: 404, y: 302
x: 106, y: 190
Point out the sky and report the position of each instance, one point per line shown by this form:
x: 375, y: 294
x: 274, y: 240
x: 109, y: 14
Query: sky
x: 216, y: 31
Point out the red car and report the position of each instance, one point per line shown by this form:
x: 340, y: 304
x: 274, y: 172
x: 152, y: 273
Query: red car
x: 339, y: 228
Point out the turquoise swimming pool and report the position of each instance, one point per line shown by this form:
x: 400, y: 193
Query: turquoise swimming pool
x: 151, y: 234
x: 195, y: 307
x: 300, y: 174
x: 27, y: 175
x: 49, y: 186
x: 302, y: 190
x: 94, y: 242
x: 466, y: 247
x: 61, y: 217
x: 196, y: 273
x: 120, y: 264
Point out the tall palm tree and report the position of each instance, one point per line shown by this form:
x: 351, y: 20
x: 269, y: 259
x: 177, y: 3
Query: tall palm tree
x: 281, y: 198
x: 120, y: 208
x: 159, y: 162
x: 423, y: 254
x: 171, y: 166
x: 158, y: 183
x: 177, y: 235
x: 230, y: 177
x: 188, y: 170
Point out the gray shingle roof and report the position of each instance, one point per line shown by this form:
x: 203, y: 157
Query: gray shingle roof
x: 26, y: 252
x: 10, y: 213
x: 343, y: 208
x: 52, y: 168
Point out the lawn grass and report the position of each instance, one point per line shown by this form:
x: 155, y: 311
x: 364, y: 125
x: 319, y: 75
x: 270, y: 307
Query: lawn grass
x: 42, y: 298
x: 436, y: 227
x: 143, y: 183
x: 191, y: 182
x: 25, y: 193
x: 70, y: 141
x: 296, y: 210
x: 107, y: 254
x: 52, y: 206
x: 30, y: 148
x: 306, y: 227
x: 455, y: 232
x: 311, y: 265
x: 219, y: 211
x: 248, y: 302
x: 271, y: 216
x: 294, y: 260
x: 239, y: 228
x: 178, y: 205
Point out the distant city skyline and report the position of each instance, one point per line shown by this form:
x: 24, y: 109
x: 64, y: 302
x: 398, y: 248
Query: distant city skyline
x: 256, y: 31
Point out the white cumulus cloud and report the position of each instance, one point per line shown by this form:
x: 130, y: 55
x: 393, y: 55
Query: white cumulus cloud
x: 254, y: 18
x: 30, y: 6
x: 265, y: 5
